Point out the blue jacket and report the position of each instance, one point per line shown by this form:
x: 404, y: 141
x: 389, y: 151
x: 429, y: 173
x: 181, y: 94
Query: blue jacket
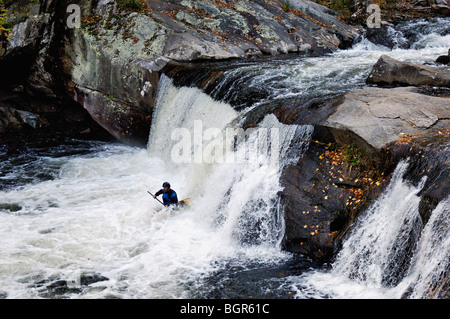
x: 169, y: 198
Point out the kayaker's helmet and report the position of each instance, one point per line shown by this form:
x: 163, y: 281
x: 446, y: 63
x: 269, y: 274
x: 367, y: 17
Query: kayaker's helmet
x: 166, y: 184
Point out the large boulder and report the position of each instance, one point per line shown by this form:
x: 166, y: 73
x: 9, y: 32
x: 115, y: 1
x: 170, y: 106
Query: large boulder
x: 330, y: 185
x: 382, y: 116
x: 390, y: 71
x: 357, y: 140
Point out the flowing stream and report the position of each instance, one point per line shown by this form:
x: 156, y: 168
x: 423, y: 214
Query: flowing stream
x: 76, y: 220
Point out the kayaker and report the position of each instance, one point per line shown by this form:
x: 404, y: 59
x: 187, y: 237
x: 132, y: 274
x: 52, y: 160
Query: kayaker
x: 169, y: 195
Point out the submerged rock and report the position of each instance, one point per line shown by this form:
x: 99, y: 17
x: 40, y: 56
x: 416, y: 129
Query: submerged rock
x: 444, y: 59
x: 55, y: 287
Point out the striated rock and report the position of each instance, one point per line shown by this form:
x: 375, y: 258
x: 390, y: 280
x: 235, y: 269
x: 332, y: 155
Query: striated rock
x: 390, y: 71
x: 119, y: 93
x: 379, y: 116
x: 115, y: 62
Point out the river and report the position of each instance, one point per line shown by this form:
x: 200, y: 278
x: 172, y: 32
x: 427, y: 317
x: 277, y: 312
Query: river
x: 76, y: 220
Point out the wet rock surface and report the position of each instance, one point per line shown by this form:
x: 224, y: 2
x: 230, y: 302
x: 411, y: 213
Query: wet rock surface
x: 388, y: 71
x: 111, y: 65
x: 330, y: 185
x: 380, y: 115
x: 57, y: 288
x: 358, y: 139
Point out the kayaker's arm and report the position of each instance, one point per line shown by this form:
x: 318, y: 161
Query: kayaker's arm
x: 158, y: 193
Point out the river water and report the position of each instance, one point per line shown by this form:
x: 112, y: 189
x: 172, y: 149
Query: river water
x: 76, y: 220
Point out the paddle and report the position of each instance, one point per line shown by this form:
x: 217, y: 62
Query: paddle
x: 141, y: 185
x: 156, y: 198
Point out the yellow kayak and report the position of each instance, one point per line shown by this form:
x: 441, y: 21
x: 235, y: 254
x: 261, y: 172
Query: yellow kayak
x: 184, y: 202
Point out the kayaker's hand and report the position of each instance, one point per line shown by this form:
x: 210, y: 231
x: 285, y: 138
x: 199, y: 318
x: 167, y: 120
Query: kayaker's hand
x: 154, y: 196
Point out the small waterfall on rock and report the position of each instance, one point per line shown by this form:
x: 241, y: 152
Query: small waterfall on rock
x: 429, y: 273
x: 384, y: 238
x: 388, y: 254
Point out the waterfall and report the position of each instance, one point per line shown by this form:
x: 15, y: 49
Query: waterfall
x: 232, y: 173
x: 383, y: 239
x: 145, y: 250
x: 389, y: 252
x: 430, y: 267
x: 181, y: 108
x: 74, y: 213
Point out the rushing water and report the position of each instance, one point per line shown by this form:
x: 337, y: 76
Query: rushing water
x: 388, y: 255
x: 318, y: 77
x: 76, y: 220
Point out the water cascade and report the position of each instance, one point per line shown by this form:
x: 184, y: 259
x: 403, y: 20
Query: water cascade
x: 76, y: 222
x: 389, y: 254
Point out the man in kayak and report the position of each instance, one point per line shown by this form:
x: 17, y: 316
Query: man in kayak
x: 169, y: 195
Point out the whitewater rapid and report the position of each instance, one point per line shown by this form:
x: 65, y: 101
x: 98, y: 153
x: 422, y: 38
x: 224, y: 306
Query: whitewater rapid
x: 319, y: 77
x: 96, y: 218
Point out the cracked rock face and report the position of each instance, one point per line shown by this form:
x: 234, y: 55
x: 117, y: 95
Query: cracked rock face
x: 115, y: 59
x: 381, y: 116
x: 111, y: 65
